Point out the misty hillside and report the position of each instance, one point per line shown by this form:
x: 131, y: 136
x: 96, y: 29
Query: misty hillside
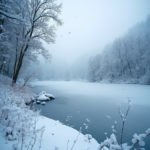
x: 65, y: 69
x: 127, y: 59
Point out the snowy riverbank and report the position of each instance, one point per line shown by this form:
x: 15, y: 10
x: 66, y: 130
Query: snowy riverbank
x: 57, y: 136
x: 21, y: 128
x: 24, y: 129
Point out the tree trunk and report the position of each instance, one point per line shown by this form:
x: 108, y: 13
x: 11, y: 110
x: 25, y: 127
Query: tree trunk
x: 18, y: 66
x: 16, y: 73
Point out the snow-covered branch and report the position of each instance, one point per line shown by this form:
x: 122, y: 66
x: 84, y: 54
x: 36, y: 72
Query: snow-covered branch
x: 10, y: 16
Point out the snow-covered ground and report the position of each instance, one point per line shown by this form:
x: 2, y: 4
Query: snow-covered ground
x: 57, y: 136
x: 21, y: 128
x: 99, y: 102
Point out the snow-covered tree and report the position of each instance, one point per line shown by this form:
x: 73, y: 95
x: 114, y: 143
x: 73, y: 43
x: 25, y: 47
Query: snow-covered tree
x: 32, y: 23
x: 126, y: 59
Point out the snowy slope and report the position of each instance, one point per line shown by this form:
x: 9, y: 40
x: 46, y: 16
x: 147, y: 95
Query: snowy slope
x: 62, y: 136
x: 19, y: 119
x: 57, y: 136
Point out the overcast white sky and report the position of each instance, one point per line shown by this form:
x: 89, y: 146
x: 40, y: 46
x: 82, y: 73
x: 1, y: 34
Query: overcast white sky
x: 91, y: 24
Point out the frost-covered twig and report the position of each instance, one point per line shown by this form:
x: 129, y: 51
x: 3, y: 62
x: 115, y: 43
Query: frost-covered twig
x: 68, y: 145
x: 22, y: 128
x: 40, y: 140
x: 75, y: 141
x: 111, y: 143
x: 139, y: 139
x: 123, y: 119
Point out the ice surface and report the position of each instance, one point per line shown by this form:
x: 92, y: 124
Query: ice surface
x: 139, y: 94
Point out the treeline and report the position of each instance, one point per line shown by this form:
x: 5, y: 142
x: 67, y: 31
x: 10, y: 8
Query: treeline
x: 24, y: 25
x: 127, y: 59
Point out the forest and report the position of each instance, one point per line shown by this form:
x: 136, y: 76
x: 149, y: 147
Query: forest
x: 126, y: 59
x: 74, y: 75
x: 24, y: 26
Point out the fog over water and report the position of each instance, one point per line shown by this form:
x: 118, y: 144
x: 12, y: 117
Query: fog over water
x: 90, y: 90
x: 90, y: 25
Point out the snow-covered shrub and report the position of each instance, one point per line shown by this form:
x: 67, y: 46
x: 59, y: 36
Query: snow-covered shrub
x: 16, y: 119
x: 137, y: 141
x: 111, y: 143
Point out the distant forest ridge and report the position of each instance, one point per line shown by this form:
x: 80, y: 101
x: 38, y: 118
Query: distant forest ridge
x: 127, y: 59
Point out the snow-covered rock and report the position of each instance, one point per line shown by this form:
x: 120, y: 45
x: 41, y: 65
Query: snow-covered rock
x: 50, y: 96
x: 43, y: 103
x: 43, y: 96
x: 38, y: 102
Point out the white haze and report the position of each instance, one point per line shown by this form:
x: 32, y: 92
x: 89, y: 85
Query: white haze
x: 89, y: 25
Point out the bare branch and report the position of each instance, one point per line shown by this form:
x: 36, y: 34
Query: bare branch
x: 10, y: 16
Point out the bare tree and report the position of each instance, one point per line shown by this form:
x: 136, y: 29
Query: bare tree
x: 123, y: 120
x: 39, y: 14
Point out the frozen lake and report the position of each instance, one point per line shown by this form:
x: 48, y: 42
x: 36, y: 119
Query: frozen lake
x: 78, y: 102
